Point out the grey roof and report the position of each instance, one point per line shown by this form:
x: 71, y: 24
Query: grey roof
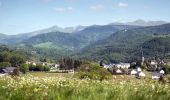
x: 8, y: 69
x: 156, y: 74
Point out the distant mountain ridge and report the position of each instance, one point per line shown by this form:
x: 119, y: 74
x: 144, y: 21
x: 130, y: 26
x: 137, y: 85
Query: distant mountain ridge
x: 14, y: 39
x: 77, y: 40
x: 124, y: 44
x: 112, y: 42
x: 2, y: 35
x: 140, y: 22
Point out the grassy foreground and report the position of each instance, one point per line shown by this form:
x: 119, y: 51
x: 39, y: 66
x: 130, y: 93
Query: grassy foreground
x: 29, y: 87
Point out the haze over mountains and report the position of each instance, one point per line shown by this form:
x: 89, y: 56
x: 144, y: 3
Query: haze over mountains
x: 13, y: 39
x: 141, y: 22
x: 114, y: 42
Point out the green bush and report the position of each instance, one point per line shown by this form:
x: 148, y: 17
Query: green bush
x: 93, y: 71
x: 46, y: 68
x: 39, y: 68
x: 166, y: 68
x: 24, y: 68
x: 32, y: 67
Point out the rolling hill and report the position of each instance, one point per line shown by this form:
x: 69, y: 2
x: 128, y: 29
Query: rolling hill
x: 76, y: 40
x: 58, y: 40
x: 124, y: 44
x: 98, y: 32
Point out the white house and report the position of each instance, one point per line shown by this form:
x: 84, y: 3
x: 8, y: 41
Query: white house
x: 34, y: 63
x: 119, y: 71
x: 123, y: 65
x: 133, y: 72
x: 27, y: 62
x: 153, y: 62
x: 162, y: 72
x: 43, y: 64
x: 139, y: 69
x: 56, y: 65
x: 141, y: 74
x: 106, y: 66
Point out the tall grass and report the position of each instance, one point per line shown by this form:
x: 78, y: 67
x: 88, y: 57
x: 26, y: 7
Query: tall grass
x: 61, y: 88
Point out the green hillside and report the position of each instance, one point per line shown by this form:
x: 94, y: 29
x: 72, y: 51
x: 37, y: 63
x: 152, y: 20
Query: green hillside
x: 125, y: 44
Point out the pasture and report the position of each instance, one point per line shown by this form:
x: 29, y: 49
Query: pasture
x: 55, y: 86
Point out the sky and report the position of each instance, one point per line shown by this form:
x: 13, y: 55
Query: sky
x: 21, y: 16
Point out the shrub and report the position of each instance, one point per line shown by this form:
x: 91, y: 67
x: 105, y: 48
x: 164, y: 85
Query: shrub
x: 46, y: 68
x: 39, y: 68
x: 166, y: 68
x: 32, y: 67
x: 93, y: 71
x: 24, y: 68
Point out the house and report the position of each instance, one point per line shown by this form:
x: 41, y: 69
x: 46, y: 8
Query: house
x: 8, y: 70
x: 138, y: 72
x: 155, y: 75
x: 154, y: 62
x: 162, y: 72
x: 106, y: 66
x: 141, y: 74
x: 43, y: 64
x: 55, y: 67
x: 133, y: 72
x: 118, y: 71
x: 123, y: 65
x: 139, y: 69
x: 28, y: 62
x: 34, y: 64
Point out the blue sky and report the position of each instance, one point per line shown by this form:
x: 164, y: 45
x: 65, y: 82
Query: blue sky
x: 21, y: 16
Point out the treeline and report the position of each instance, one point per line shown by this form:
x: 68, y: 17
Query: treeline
x: 68, y: 63
x: 11, y: 58
x: 40, y: 52
x: 38, y: 67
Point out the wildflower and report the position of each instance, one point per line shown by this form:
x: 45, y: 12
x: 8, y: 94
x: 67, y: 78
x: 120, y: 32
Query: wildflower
x: 153, y: 86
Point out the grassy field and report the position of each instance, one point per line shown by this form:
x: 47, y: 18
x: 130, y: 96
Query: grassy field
x: 53, y: 86
x: 51, y: 74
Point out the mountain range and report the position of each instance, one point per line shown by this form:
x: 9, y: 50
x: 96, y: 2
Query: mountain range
x: 113, y: 42
x: 141, y: 22
x: 14, y: 39
x: 126, y: 43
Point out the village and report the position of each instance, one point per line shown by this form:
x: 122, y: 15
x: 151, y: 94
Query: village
x: 154, y: 68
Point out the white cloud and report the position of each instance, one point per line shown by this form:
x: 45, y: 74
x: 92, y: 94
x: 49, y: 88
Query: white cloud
x: 121, y: 4
x: 97, y: 7
x: 63, y: 9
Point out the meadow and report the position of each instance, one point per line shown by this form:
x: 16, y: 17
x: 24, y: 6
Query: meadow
x: 51, y: 86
